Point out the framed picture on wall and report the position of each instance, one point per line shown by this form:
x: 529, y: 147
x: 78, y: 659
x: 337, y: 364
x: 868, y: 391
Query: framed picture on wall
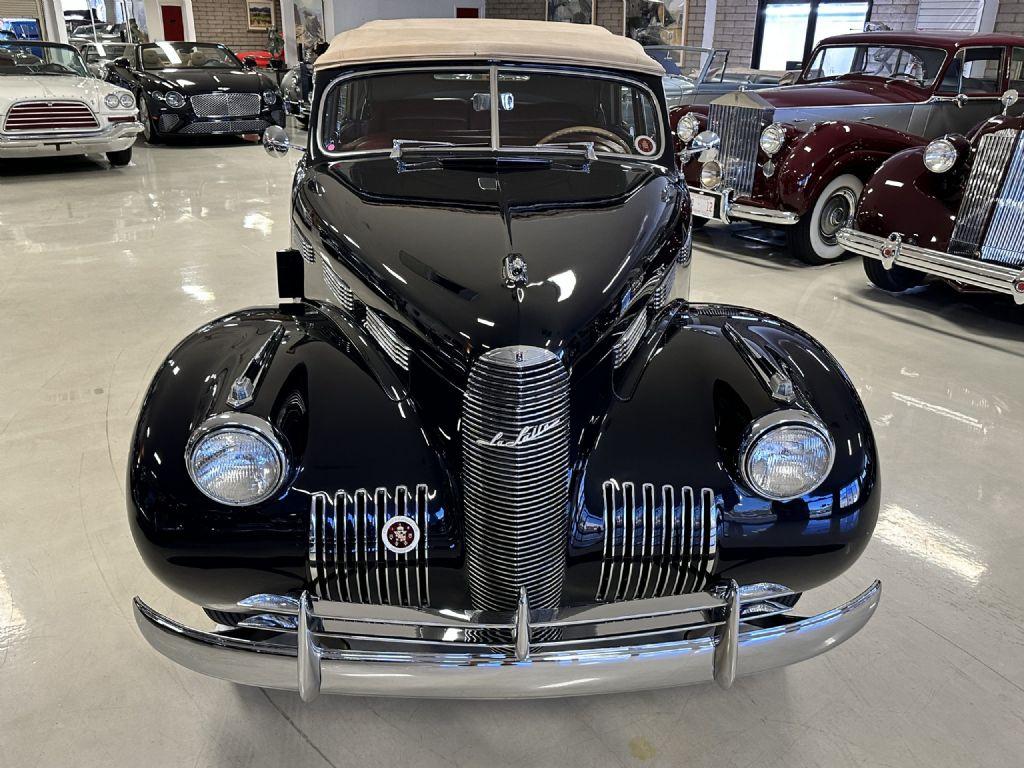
x: 572, y: 11
x: 260, y: 14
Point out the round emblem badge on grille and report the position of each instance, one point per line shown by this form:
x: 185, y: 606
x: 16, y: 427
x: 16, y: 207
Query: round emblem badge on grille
x: 645, y: 145
x: 400, y: 534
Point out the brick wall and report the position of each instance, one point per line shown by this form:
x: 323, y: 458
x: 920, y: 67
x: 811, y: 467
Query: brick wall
x: 897, y: 14
x: 516, y: 9
x: 224, y: 21
x: 609, y: 15
x: 1010, y: 17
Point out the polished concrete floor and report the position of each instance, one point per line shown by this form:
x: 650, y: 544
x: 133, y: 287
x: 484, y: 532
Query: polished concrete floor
x: 103, y: 270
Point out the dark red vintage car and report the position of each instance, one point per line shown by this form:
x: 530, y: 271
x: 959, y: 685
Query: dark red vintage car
x: 953, y: 211
x: 799, y: 156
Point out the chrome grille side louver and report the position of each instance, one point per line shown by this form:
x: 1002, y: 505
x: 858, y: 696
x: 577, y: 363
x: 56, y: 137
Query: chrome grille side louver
x: 983, y: 184
x: 301, y: 243
x: 627, y: 342
x: 657, y: 541
x: 339, y: 288
x: 1004, y: 240
x: 515, y: 426
x: 388, y: 340
x: 739, y: 129
x: 347, y: 559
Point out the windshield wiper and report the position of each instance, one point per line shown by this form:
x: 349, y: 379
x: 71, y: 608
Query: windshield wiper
x: 398, y: 144
x: 586, y: 146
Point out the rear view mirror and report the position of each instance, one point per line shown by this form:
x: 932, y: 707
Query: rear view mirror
x: 276, y: 141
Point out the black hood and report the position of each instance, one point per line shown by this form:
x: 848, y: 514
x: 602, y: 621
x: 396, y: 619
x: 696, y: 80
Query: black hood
x: 433, y: 242
x: 190, y: 81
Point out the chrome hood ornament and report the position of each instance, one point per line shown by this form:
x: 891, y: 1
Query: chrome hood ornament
x: 513, y: 270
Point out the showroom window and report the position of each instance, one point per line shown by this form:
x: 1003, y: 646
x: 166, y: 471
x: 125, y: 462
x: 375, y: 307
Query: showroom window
x: 787, y: 31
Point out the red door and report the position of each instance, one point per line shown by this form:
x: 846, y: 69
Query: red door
x: 467, y: 13
x: 174, y: 27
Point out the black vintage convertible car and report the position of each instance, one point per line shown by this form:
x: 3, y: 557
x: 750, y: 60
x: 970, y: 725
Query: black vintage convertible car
x: 196, y: 89
x: 484, y: 446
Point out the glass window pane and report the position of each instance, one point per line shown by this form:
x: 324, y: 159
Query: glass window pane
x: 784, y: 34
x: 974, y: 71
x: 1017, y: 69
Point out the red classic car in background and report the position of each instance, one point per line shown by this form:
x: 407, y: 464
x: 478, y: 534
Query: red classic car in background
x: 799, y: 156
x: 953, y: 210
x: 262, y: 59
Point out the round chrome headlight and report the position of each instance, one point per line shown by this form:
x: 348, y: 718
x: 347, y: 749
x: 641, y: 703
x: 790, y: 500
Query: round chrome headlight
x: 174, y: 99
x: 772, y: 139
x: 940, y: 155
x: 270, y: 97
x: 236, y: 459
x: 687, y: 127
x: 112, y: 101
x: 711, y: 175
x: 126, y: 100
x: 786, y: 455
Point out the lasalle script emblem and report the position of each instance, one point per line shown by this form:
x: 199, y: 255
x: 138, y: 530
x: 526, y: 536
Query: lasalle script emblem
x: 525, y: 435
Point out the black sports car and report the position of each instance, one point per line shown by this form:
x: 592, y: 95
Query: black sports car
x: 190, y: 89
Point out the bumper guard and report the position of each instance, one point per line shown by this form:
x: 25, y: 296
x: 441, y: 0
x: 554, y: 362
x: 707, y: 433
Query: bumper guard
x: 92, y: 140
x: 728, y: 211
x: 892, y: 251
x: 313, y: 646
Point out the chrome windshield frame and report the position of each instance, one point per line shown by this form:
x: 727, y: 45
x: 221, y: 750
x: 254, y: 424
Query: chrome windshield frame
x: 494, y: 69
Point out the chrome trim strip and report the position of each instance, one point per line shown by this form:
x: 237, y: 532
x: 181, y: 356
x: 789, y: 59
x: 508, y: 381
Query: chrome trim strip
x: 979, y: 274
x: 339, y: 288
x: 387, y: 339
x: 243, y: 389
x: 494, y: 672
x: 727, y: 643
x: 1002, y: 242
x: 767, y: 369
x: 731, y: 211
x: 624, y: 346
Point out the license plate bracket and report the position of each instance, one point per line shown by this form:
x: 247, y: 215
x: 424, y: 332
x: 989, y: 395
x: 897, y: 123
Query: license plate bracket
x: 705, y: 206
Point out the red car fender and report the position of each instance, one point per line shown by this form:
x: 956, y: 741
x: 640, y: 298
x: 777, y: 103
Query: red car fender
x: 903, y: 196
x: 832, y: 148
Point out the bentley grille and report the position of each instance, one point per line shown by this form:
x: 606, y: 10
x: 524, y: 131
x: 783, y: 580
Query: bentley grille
x: 225, y: 104
x: 515, y: 425
x: 657, y: 541
x: 56, y: 116
x: 347, y: 559
x: 739, y: 129
x: 226, y: 126
x: 990, y: 222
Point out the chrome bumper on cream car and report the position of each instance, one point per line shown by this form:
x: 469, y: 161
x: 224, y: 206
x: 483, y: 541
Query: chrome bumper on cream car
x: 892, y: 251
x: 114, y: 138
x: 727, y: 211
x: 313, y: 646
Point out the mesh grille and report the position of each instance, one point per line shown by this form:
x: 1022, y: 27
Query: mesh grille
x: 739, y: 129
x: 55, y: 116
x: 987, y: 174
x: 515, y: 424
x: 226, y: 104
x: 226, y: 126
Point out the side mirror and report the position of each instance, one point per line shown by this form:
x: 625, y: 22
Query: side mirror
x: 1009, y: 98
x: 249, y: 62
x: 121, y: 62
x: 276, y: 141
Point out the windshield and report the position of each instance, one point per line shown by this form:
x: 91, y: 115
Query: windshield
x: 105, y: 51
x: 452, y: 109
x: 40, y: 59
x: 170, y: 55
x: 913, y: 64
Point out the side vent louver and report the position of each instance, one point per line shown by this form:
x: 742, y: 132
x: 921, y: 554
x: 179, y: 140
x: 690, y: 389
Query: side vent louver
x: 339, y: 288
x: 301, y: 243
x: 388, y: 340
x: 627, y: 342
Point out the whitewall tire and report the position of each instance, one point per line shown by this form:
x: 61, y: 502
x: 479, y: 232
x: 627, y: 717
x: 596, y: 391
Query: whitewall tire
x: 813, y: 239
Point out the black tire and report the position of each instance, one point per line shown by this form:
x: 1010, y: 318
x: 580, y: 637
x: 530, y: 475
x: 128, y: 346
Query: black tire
x: 698, y: 222
x: 895, y: 280
x: 149, y: 130
x: 225, y: 618
x: 119, y: 159
x: 813, y: 238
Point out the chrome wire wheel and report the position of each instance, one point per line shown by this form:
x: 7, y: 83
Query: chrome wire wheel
x: 837, y: 213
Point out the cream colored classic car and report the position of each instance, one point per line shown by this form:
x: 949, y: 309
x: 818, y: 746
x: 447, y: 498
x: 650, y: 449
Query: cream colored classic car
x: 51, y: 105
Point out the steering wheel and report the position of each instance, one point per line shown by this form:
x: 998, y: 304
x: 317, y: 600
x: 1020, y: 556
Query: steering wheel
x: 606, y: 140
x: 60, y: 69
x: 905, y: 76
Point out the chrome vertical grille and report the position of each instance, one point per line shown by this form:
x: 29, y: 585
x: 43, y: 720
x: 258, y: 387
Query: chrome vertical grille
x: 657, y: 542
x: 986, y: 177
x: 50, y: 116
x: 347, y: 559
x: 626, y: 343
x: 1004, y: 240
x: 739, y: 129
x: 515, y: 426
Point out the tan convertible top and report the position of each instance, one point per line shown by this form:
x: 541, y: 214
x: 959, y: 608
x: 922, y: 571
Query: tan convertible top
x: 486, y: 39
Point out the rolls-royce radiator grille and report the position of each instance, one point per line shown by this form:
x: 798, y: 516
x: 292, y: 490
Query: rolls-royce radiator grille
x: 990, y: 221
x: 739, y: 129
x: 226, y: 104
x: 515, y: 425
x: 657, y: 541
x: 50, y: 116
x: 347, y: 558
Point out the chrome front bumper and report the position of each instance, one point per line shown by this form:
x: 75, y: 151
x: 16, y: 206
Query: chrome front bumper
x: 728, y: 211
x: 114, y: 138
x: 892, y: 251
x: 313, y: 646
